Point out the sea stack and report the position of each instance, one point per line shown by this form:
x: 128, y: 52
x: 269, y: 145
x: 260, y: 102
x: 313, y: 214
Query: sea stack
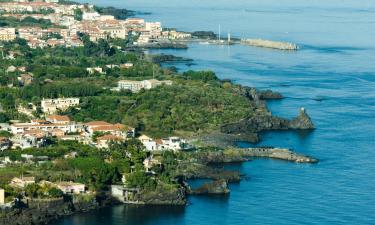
x: 302, y: 121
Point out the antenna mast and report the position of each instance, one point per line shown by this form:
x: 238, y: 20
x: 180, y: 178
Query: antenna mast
x: 219, y: 32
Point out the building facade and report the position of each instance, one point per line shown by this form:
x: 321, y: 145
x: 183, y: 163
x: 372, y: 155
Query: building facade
x: 7, y: 34
x: 51, y: 106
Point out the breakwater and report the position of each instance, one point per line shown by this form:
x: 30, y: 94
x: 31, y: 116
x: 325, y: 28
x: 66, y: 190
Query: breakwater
x: 270, y: 44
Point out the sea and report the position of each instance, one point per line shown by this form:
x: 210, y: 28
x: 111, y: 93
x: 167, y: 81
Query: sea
x: 332, y: 76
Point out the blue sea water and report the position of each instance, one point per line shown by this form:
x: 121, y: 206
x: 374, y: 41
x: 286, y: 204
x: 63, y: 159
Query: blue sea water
x: 332, y: 76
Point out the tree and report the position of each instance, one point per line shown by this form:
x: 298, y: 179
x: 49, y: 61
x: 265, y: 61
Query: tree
x: 4, y: 118
x: 55, y: 193
x: 204, y: 76
x: 78, y: 14
x: 33, y: 190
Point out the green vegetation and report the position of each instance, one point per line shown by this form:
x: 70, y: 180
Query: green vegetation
x: 4, y: 133
x: 120, y: 14
x: 27, y: 21
x: 197, y: 102
x: 78, y: 14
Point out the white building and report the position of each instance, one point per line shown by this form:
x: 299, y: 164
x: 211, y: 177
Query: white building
x: 90, y: 16
x: 148, y: 142
x: 43, y: 126
x: 154, y: 28
x: 136, y: 86
x: 149, y: 84
x: 51, y: 106
x: 165, y: 144
x: 131, y: 85
x: 114, y: 31
x: 7, y: 34
x: 173, y: 144
x: 22, y: 182
x: 106, y: 17
x: 92, y: 70
x: 71, y: 188
x: 2, y: 196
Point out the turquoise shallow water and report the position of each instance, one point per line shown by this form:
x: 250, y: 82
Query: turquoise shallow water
x: 335, y: 66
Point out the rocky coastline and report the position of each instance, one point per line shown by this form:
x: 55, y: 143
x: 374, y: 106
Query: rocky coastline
x: 198, y: 165
x: 44, y: 211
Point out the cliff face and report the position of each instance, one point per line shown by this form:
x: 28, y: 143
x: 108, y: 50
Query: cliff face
x: 214, y: 187
x: 37, y: 213
x: 263, y: 121
x: 40, y: 212
x: 163, y: 196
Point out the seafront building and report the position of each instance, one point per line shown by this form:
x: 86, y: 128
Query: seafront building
x: 71, y: 187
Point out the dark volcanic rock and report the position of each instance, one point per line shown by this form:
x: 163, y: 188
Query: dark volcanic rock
x: 264, y: 122
x: 165, y: 45
x: 215, y: 187
x: 204, y: 34
x: 270, y: 95
x: 202, y: 171
x: 302, y: 122
x: 40, y: 212
x: 256, y: 95
x: 163, y: 196
x: 227, y: 140
x: 162, y: 58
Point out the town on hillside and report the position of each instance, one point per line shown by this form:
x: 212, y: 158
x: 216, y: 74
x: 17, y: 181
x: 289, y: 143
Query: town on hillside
x: 63, y: 23
x: 81, y: 116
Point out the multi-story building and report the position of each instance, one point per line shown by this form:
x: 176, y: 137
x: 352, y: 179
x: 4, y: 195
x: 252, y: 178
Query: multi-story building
x: 43, y: 126
x: 51, y: 106
x: 90, y: 16
x: 154, y: 28
x: 131, y: 85
x: 119, y: 130
x: 136, y: 86
x: 169, y: 144
x: 7, y: 34
x: 173, y: 144
x: 104, y: 141
x: 114, y: 31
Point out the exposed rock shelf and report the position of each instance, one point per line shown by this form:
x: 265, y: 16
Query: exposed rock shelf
x: 277, y: 153
x: 244, y: 154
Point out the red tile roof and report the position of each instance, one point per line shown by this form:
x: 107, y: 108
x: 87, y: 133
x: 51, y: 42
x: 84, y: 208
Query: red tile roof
x: 97, y: 123
x: 58, y: 118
